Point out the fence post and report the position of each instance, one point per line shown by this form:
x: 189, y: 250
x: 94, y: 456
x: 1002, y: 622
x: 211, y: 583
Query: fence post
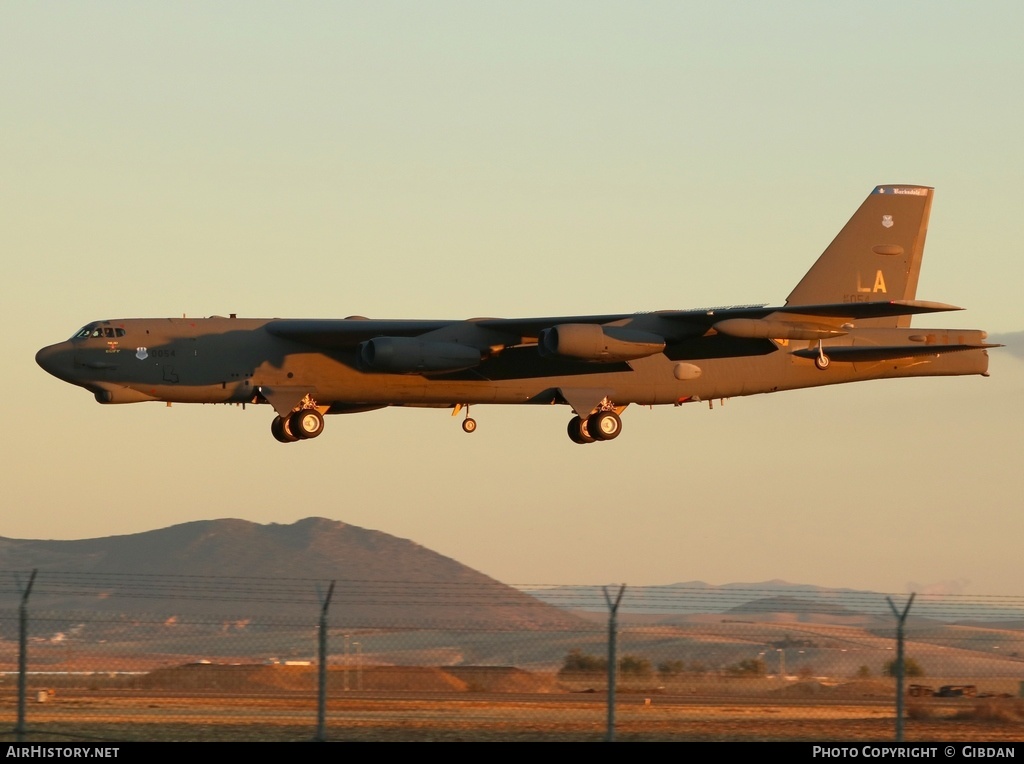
x: 321, y: 700
x: 19, y: 728
x: 901, y: 620
x: 613, y: 633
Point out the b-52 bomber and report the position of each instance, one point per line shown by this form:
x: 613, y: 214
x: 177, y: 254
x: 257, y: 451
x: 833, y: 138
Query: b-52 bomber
x: 847, y: 320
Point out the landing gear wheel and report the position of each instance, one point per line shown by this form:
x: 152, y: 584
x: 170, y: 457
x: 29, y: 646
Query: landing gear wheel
x: 468, y: 425
x: 281, y: 430
x: 605, y: 425
x: 307, y: 423
x: 579, y: 432
x: 822, y: 361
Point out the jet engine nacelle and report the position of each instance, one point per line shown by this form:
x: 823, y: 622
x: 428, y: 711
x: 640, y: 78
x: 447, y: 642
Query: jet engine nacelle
x: 409, y: 355
x: 112, y: 394
x: 596, y: 343
x: 760, y: 328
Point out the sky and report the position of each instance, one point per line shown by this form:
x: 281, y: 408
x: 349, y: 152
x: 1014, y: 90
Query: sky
x: 460, y: 159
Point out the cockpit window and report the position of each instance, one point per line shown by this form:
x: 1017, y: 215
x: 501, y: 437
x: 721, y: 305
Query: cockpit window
x: 93, y: 331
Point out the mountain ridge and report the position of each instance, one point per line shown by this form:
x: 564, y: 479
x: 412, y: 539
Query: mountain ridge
x: 240, y: 568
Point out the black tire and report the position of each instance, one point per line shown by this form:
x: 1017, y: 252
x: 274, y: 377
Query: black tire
x: 469, y: 425
x: 578, y: 431
x: 604, y: 425
x: 281, y: 430
x: 822, y: 361
x: 307, y: 423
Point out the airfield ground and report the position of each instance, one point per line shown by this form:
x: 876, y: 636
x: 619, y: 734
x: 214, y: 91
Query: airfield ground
x: 174, y: 715
x: 92, y: 699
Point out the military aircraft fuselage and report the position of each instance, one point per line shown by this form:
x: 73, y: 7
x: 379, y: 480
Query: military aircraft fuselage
x: 848, y: 320
x: 233, y: 360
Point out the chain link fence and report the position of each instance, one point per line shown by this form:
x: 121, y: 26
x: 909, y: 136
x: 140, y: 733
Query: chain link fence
x: 173, y: 658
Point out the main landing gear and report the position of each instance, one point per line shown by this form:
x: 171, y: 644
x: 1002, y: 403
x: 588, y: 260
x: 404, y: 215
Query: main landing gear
x: 603, y: 425
x: 299, y: 425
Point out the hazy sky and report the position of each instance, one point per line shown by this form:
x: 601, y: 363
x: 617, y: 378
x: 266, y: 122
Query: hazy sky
x: 449, y: 160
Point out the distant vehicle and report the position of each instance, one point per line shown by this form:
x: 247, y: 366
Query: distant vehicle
x: 920, y: 691
x: 847, y: 320
x: 957, y: 691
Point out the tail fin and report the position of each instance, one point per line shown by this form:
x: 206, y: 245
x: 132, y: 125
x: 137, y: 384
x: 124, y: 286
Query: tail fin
x: 876, y: 257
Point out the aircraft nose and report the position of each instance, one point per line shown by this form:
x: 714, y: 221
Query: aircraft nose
x: 54, y: 360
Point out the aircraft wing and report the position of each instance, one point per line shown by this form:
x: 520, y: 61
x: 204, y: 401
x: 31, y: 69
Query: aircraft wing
x: 673, y: 325
x: 707, y: 317
x: 862, y: 310
x: 863, y: 353
x: 344, y: 333
x: 482, y: 333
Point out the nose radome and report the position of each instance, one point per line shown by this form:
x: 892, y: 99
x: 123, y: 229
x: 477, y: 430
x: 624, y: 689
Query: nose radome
x: 49, y: 358
x: 44, y: 357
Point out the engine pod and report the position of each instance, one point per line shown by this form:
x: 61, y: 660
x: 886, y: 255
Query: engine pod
x: 409, y: 355
x: 597, y: 344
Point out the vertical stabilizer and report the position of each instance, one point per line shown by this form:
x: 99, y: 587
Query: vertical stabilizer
x: 877, y: 255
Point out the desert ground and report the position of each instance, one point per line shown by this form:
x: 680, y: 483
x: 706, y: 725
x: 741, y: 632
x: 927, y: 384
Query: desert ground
x: 258, y: 703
